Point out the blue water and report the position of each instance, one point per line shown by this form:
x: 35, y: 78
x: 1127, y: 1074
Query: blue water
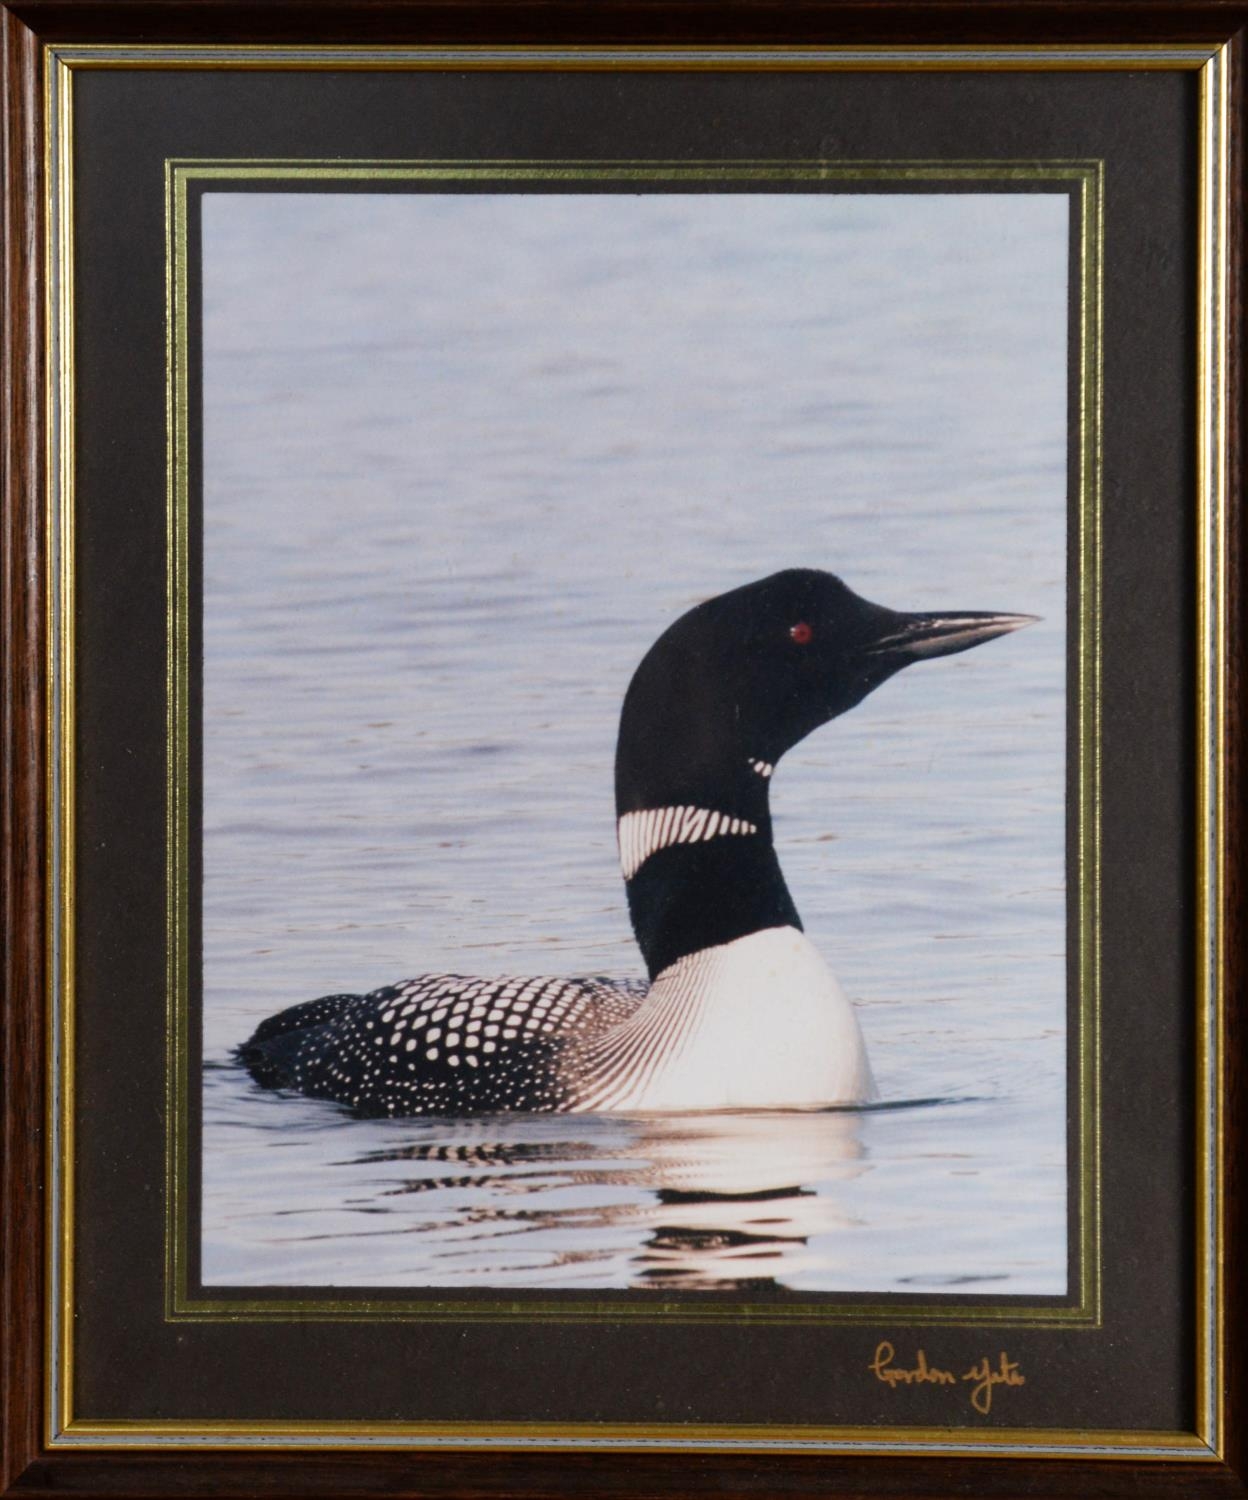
x: 465, y: 458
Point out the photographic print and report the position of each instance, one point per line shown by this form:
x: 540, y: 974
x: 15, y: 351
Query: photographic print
x: 634, y: 740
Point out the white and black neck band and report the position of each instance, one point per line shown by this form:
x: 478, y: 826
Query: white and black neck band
x: 642, y: 834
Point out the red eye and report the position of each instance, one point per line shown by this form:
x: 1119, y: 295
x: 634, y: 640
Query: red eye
x: 801, y: 633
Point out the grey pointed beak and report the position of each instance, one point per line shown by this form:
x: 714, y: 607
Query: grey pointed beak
x: 917, y: 636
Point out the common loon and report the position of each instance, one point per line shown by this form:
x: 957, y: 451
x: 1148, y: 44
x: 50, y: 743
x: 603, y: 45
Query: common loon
x: 740, y: 1011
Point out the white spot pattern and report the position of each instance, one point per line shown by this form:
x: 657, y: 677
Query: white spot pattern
x: 642, y: 834
x: 325, y: 1048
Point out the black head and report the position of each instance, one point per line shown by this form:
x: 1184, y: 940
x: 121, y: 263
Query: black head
x: 745, y: 676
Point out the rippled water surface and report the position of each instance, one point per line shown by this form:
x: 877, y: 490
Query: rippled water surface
x: 465, y: 458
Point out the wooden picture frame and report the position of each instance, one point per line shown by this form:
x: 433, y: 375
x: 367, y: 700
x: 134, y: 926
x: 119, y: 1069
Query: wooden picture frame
x: 57, y: 676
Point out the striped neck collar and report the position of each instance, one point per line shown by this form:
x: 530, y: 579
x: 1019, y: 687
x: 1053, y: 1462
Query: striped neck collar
x: 642, y: 834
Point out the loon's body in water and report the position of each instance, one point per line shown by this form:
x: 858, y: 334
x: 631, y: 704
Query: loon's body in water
x: 740, y: 1011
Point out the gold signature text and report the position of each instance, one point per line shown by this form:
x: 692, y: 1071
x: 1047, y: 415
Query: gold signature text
x: 983, y: 1376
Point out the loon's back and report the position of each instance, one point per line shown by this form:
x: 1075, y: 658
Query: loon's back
x: 441, y: 1044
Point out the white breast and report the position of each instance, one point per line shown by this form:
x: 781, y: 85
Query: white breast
x: 756, y: 1023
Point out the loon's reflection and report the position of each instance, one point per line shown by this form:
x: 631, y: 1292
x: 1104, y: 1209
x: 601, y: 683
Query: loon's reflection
x: 734, y: 1196
x: 698, y: 1202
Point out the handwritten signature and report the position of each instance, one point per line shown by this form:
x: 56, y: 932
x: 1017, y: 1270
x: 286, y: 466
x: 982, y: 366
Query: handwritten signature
x: 983, y: 1376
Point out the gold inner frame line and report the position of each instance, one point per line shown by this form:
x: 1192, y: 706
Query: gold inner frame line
x: 1085, y: 182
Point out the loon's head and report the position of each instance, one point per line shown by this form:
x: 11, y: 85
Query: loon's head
x: 740, y: 679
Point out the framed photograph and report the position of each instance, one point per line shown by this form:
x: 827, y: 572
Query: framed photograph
x: 620, y: 712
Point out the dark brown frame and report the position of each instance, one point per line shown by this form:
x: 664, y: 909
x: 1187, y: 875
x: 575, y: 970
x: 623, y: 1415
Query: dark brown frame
x: 25, y: 1465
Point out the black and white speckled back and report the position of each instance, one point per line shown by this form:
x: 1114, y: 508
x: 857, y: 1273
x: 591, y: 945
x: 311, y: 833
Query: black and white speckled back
x: 441, y: 1043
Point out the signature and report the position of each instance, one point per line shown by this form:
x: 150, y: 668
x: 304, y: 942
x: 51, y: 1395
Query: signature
x: 983, y: 1376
